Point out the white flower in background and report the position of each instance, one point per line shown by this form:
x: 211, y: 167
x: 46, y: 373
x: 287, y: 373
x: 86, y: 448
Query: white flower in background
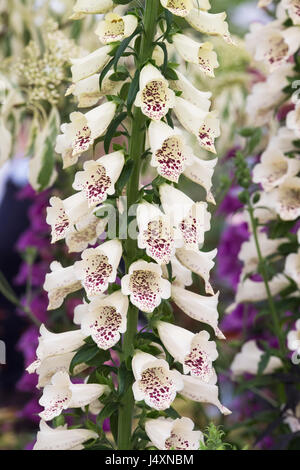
x: 201, y: 308
x: 293, y: 120
x: 145, y: 285
x: 201, y: 172
x: 87, y: 232
x: 79, y: 135
x: 178, y: 434
x: 98, y: 178
x: 61, y: 394
x: 247, y: 361
x: 106, y: 319
x: 170, y: 154
x: 292, y: 419
x: 209, y: 23
x: 62, y: 438
x: 90, y: 64
x: 293, y: 338
x: 264, y: 208
x: 197, y: 390
x: 60, y: 283
x: 155, y: 98
x: 181, y: 276
x: 289, y: 9
x: 203, y: 124
x: 5, y: 142
x: 292, y: 267
x: 194, y: 351
x: 87, y: 90
x: 283, y: 140
x: 89, y: 7
x: 201, y: 54
x: 200, y: 263
x: 156, y: 234
x: 116, y: 28
x: 99, y: 267
x: 264, y: 3
x: 202, y: 99
x: 154, y: 382
x: 288, y: 199
x: 274, y: 168
x: 191, y: 218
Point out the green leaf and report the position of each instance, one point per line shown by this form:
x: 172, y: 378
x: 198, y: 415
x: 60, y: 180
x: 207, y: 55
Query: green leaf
x: 123, y: 46
x: 125, y: 175
x: 133, y: 89
x: 7, y: 291
x: 84, y: 355
x: 111, y: 130
x: 105, y: 72
x: 106, y: 412
x: 170, y: 74
x: 264, y: 360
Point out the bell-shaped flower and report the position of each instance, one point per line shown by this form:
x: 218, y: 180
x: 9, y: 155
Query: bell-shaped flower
x: 199, y: 307
x: 155, y: 98
x: 288, y: 199
x: 197, y: 390
x: 62, y: 438
x: 191, y: 218
x: 194, y: 351
x: 178, y: 7
x: 201, y: 172
x: 201, y: 99
x: 156, y: 235
x: 178, y: 434
x: 90, y: 64
x: 293, y: 120
x: 116, y: 28
x: 209, y: 23
x: 145, y: 285
x: 200, y: 263
x: 292, y: 267
x: 248, y: 360
x: 106, y: 319
x: 204, y: 125
x: 181, y: 276
x: 86, y: 233
x: 293, y: 338
x: 88, y: 92
x: 170, y: 154
x: 54, y: 344
x: 60, y: 283
x: 154, y: 382
x: 274, y: 168
x: 98, y: 178
x: 201, y: 54
x: 99, y: 267
x: 91, y: 7
x: 62, y: 394
x: 289, y: 9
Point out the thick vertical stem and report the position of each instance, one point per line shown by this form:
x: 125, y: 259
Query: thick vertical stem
x: 136, y: 149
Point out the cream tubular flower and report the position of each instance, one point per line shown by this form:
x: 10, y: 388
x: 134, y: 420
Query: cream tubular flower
x: 155, y: 98
x: 293, y: 338
x: 201, y: 172
x: 116, y: 28
x: 197, y: 390
x: 178, y: 434
x: 87, y: 231
x: 61, y: 394
x: 201, y: 308
x: 54, y: 344
x: 292, y: 267
x: 170, y: 154
x: 99, y: 267
x: 145, y: 285
x: 89, y: 65
x: 106, y: 319
x: 90, y: 7
x: 156, y: 235
x: 154, y: 382
x: 247, y: 361
x: 194, y: 351
x: 289, y: 9
x: 191, y: 218
x: 99, y: 177
x: 87, y: 90
x: 180, y: 274
x: 201, y: 54
x: 60, y: 283
x: 293, y: 120
x: 62, y: 438
x: 200, y: 263
x: 209, y: 23
x: 204, y: 125
x: 202, y: 99
x: 288, y: 199
x: 178, y: 7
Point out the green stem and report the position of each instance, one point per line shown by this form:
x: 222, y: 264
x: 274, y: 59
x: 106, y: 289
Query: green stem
x: 136, y: 149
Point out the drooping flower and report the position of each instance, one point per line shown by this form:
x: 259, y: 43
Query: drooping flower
x: 80, y: 133
x: 116, y: 28
x: 89, y: 7
x: 88, y: 92
x: 62, y: 438
x: 155, y: 383
x: 247, y: 361
x: 191, y: 218
x: 62, y: 394
x: 209, y: 23
x: 289, y: 9
x: 99, y: 267
x: 201, y: 99
x: 181, y: 276
x: 292, y: 267
x: 170, y: 154
x: 178, y: 7
x: 203, y: 124
x: 198, y: 307
x: 293, y: 338
x: 86, y: 233
x: 293, y: 120
x: 201, y: 172
x: 178, y: 434
x: 288, y: 199
x: 105, y: 319
x: 194, y: 351
x: 155, y: 98
x: 200, y: 263
x: 201, y: 54
x: 90, y: 64
x: 60, y: 283
x: 145, y: 285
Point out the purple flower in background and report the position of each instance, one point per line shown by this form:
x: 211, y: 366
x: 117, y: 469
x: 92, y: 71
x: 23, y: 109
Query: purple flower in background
x: 230, y: 203
x: 241, y: 318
